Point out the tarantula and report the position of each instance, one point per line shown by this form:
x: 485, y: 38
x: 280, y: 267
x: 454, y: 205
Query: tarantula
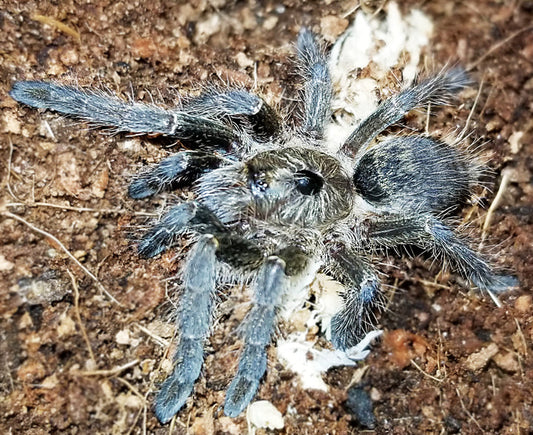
x: 272, y: 202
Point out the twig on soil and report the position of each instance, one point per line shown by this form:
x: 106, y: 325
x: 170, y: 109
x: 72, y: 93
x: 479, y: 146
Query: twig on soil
x: 506, y: 177
x: 159, y: 340
x: 440, y: 352
x: 52, y: 22
x: 7, y: 368
x: 426, y: 373
x: 108, y: 372
x: 78, y: 315
x: 81, y: 209
x: 144, y: 402
x: 133, y: 389
x: 8, y: 177
x: 65, y: 250
x: 431, y: 283
x: 467, y: 412
x: 521, y: 335
x: 22, y: 203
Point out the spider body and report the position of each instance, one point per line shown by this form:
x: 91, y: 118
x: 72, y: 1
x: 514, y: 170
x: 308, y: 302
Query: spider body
x: 274, y: 203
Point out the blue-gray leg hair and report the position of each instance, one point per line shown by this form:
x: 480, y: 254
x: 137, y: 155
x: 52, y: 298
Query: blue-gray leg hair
x: 270, y: 285
x: 361, y: 297
x: 429, y: 233
x: 239, y: 104
x: 435, y: 90
x: 160, y: 237
x: 178, y: 219
x: 318, y: 88
x: 105, y: 110
x: 178, y: 170
x: 193, y: 323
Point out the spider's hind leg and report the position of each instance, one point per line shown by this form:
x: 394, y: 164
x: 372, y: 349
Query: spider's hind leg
x: 361, y: 296
x: 429, y: 233
x: 318, y: 88
x: 269, y: 288
x: 178, y: 170
x: 435, y: 90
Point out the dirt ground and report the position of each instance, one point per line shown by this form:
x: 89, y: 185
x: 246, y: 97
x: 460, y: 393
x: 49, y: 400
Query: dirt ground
x: 73, y: 360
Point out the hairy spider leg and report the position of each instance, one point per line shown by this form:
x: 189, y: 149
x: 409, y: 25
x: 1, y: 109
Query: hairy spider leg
x: 318, y: 89
x: 361, y: 297
x: 176, y: 221
x: 270, y: 285
x: 178, y: 170
x: 429, y: 233
x: 105, y: 110
x: 260, y: 117
x: 193, y: 323
x: 435, y: 90
x: 192, y: 216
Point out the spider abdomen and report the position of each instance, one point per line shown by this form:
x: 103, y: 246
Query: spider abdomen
x: 414, y: 173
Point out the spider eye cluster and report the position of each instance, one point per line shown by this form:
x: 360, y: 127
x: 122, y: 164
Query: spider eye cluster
x: 308, y: 182
x: 259, y: 183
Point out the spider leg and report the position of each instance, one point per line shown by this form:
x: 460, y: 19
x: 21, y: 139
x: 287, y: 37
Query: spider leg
x: 232, y: 248
x: 105, y: 110
x: 318, y: 88
x: 361, y: 296
x: 261, y: 117
x: 270, y: 285
x: 429, y: 233
x: 435, y: 90
x: 193, y: 324
x: 178, y: 170
x: 178, y: 219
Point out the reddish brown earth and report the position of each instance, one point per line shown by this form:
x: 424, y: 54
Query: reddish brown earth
x: 451, y: 361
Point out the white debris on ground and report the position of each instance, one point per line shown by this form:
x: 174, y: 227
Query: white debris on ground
x: 299, y: 356
x: 363, y: 58
x: 372, y: 60
x: 263, y: 415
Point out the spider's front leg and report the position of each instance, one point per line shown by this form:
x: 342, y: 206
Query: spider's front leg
x: 261, y: 117
x: 271, y: 284
x: 106, y: 110
x: 191, y: 216
x: 318, y: 89
x: 195, y: 311
x: 429, y: 233
x: 362, y: 291
x: 176, y: 221
x: 193, y: 323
